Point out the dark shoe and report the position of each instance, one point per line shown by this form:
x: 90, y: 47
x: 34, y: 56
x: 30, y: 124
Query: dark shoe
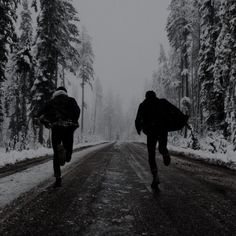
x: 61, y: 153
x: 166, y: 159
x: 155, y: 185
x: 57, y: 183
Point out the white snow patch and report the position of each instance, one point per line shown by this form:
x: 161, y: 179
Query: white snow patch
x: 16, y: 184
x: 12, y: 157
x: 218, y: 158
x: 213, y: 148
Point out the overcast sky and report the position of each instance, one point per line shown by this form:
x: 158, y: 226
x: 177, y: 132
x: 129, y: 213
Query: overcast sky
x: 126, y: 36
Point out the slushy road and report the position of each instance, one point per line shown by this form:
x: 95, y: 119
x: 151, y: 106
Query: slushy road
x: 108, y: 193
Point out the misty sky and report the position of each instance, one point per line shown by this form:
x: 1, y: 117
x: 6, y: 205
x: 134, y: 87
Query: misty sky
x: 126, y: 36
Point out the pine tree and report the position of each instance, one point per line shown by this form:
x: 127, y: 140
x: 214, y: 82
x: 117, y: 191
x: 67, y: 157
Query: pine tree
x: 178, y: 30
x: 209, y: 35
x: 7, y: 37
x: 86, y: 71
x: 222, y: 67
x: 230, y: 100
x: 163, y: 69
x: 174, y: 93
x: 97, y: 104
x: 194, y: 62
x: 57, y: 34
x: 108, y: 115
x: 21, y: 80
x: 161, y: 79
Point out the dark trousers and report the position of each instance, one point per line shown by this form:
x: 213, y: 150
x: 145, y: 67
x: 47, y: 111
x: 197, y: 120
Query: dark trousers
x: 64, y: 136
x: 152, y: 139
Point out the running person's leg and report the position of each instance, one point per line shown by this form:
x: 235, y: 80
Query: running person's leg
x: 67, y: 140
x: 151, y: 146
x: 163, y: 147
x: 56, y: 140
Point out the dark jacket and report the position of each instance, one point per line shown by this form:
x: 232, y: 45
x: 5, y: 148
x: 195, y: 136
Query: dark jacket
x: 157, y: 115
x: 61, y: 110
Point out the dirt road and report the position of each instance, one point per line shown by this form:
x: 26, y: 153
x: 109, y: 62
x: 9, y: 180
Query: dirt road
x: 108, y: 193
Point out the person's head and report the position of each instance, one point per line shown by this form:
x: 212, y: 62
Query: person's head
x: 150, y: 94
x: 61, y: 88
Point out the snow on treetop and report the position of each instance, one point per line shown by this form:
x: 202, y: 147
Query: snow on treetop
x: 184, y: 72
x: 233, y: 7
x: 36, y: 82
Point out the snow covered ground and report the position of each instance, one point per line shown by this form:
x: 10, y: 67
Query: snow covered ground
x: 16, y: 184
x: 13, y: 157
x: 213, y: 149
x: 228, y: 159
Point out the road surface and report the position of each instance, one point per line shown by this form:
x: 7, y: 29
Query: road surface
x: 108, y: 193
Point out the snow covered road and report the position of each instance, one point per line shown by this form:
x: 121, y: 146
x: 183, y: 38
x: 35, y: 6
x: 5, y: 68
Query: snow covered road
x: 12, y: 186
x: 106, y: 191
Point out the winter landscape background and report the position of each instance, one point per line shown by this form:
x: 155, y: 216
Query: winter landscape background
x: 45, y: 44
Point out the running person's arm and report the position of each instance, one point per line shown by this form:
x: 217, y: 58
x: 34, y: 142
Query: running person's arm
x: 139, y: 119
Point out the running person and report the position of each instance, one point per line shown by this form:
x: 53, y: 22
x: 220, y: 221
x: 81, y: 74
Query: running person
x: 155, y: 117
x: 61, y: 114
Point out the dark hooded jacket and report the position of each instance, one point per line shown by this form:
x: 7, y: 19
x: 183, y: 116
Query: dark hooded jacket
x: 61, y: 110
x: 158, y: 115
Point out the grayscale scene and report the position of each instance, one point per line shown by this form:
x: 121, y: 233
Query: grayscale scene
x: 117, y: 117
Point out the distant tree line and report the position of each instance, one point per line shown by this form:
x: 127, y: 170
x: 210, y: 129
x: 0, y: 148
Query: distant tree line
x: 200, y: 69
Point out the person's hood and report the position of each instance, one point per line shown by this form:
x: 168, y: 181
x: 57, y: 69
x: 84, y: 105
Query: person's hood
x: 59, y: 92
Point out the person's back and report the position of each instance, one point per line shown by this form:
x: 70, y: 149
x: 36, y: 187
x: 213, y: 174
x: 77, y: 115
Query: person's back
x: 150, y: 114
x: 62, y: 110
x: 149, y: 119
x: 156, y: 117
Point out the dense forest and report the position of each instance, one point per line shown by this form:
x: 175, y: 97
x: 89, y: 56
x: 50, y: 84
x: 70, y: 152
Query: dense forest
x: 199, y: 72
x: 43, y: 45
x: 33, y: 61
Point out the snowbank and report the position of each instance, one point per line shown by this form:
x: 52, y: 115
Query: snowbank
x: 12, y: 186
x: 227, y: 159
x: 12, y: 157
x: 212, y: 148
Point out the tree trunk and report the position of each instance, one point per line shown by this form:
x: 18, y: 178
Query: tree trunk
x: 95, y: 114
x: 82, y: 108
x: 56, y: 73
x: 63, y: 77
x: 182, y: 77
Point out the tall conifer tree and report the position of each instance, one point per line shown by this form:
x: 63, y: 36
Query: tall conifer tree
x: 21, y: 80
x: 178, y: 32
x: 209, y: 34
x: 7, y: 37
x: 86, y: 71
x: 230, y: 101
x: 222, y: 67
x: 57, y: 35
